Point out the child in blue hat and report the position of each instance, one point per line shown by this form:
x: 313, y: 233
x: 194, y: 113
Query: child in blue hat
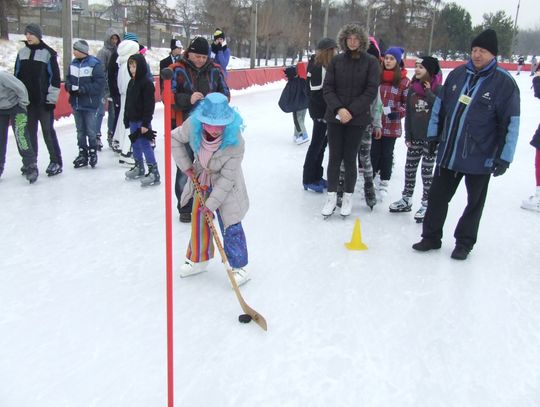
x: 214, y: 133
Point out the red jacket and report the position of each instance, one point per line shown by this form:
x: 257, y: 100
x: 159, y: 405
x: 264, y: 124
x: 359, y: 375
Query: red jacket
x: 395, y: 98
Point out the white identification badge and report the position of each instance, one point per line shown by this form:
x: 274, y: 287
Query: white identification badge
x: 465, y: 99
x: 387, y: 110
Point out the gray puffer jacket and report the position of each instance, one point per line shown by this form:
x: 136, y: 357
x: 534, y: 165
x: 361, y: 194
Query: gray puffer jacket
x: 352, y: 80
x: 229, y: 193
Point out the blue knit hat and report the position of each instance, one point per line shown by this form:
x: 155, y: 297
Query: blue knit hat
x: 214, y: 110
x: 131, y: 36
x: 396, y: 52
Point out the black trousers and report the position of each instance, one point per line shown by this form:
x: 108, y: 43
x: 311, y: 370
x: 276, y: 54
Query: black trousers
x: 382, y: 156
x: 17, y: 117
x: 313, y: 169
x: 38, y: 114
x: 180, y: 183
x: 343, y: 144
x: 443, y: 188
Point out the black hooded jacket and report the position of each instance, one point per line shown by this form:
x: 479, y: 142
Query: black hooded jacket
x: 352, y: 80
x: 140, y: 96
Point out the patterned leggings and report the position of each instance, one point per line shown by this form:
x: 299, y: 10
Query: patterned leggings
x: 364, y: 154
x: 418, y: 150
x: 201, y: 244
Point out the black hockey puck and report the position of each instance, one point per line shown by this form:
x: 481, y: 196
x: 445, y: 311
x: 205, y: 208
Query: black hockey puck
x: 244, y: 318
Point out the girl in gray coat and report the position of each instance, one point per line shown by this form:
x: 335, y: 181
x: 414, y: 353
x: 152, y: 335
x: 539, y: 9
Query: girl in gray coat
x: 213, y: 131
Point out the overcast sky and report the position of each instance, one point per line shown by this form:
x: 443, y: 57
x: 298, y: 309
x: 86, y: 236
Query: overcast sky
x: 528, y: 17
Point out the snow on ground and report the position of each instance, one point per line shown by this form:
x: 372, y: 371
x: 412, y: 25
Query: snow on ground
x: 82, y: 291
x: 9, y: 49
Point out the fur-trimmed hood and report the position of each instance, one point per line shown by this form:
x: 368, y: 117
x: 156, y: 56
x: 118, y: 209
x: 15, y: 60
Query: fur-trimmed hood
x: 352, y: 29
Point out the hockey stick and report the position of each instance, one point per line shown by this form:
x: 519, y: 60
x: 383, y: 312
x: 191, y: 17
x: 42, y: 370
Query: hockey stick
x: 258, y: 318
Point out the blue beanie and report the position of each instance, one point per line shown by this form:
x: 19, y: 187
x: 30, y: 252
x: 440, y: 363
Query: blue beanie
x: 396, y: 52
x: 131, y: 36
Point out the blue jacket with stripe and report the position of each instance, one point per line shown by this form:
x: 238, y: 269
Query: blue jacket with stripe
x: 476, y: 119
x: 89, y: 76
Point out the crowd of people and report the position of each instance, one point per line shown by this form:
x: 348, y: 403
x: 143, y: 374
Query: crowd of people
x: 357, y: 95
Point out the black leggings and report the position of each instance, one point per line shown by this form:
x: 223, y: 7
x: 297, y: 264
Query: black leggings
x: 343, y: 145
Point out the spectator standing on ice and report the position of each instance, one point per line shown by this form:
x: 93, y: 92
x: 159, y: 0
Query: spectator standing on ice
x: 37, y: 67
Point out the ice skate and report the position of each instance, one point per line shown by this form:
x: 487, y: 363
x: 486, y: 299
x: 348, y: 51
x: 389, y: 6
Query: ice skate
x: 346, y: 204
x: 383, y: 189
x: 420, y: 213
x: 403, y: 205
x: 126, y: 159
x: 301, y: 138
x: 330, y: 205
x: 190, y: 268
x: 92, y: 157
x: 152, y: 177
x: 53, y: 169
x: 240, y: 276
x: 136, y: 172
x: 31, y: 173
x: 532, y: 203
x: 82, y: 159
x: 98, y: 142
x: 369, y: 193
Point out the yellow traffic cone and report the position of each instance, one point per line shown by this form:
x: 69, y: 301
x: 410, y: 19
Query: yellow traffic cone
x: 356, y: 239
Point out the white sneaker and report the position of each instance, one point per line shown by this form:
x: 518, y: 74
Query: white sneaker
x: 532, y: 203
x: 241, y: 276
x: 330, y: 204
x: 190, y: 268
x: 346, y: 204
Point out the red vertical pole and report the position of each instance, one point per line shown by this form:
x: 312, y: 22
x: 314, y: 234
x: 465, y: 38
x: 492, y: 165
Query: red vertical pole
x: 167, y: 101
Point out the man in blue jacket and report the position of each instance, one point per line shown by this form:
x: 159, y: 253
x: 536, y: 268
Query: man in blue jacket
x: 475, y: 124
x: 85, y: 83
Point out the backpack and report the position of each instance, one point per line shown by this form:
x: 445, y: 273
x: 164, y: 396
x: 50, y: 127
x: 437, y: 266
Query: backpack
x: 295, y: 96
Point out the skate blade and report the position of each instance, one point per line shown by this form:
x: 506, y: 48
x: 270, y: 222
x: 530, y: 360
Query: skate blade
x: 192, y: 273
x: 399, y: 210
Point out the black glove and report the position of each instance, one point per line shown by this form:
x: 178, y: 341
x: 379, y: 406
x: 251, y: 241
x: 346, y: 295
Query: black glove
x: 49, y: 107
x: 432, y: 146
x: 500, y: 166
x: 134, y: 136
x: 150, y: 134
x: 216, y: 47
x: 393, y: 116
x: 74, y: 92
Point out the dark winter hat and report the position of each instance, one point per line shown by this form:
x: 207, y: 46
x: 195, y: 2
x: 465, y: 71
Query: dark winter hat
x: 373, y: 48
x: 34, y: 29
x: 176, y: 44
x: 81, y: 46
x: 219, y: 34
x: 326, y: 43
x: 199, y: 46
x: 396, y: 52
x: 131, y: 37
x: 431, y: 64
x: 487, y: 39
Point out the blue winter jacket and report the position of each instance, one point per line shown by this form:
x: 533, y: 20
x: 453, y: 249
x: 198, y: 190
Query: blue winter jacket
x: 473, y: 135
x: 89, y: 76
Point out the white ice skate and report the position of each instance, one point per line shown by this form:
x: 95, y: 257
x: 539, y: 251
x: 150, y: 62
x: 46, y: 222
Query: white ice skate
x: 330, y: 204
x: 346, y: 204
x: 532, y: 203
x: 241, y: 276
x: 190, y: 268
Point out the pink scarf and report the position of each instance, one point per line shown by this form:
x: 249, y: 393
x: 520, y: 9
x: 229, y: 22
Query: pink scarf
x: 207, y: 150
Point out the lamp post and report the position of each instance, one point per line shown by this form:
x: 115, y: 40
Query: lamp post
x: 67, y: 35
x: 433, y: 13
x: 326, y: 7
x: 253, y: 47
